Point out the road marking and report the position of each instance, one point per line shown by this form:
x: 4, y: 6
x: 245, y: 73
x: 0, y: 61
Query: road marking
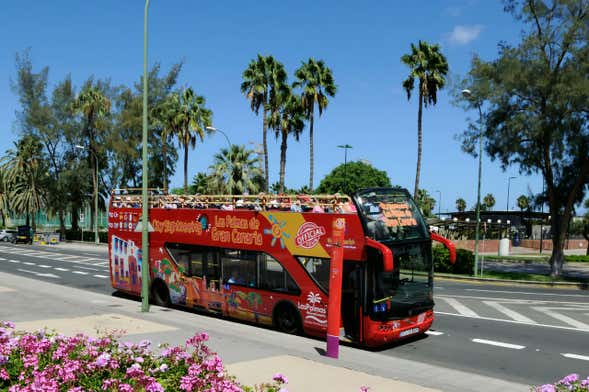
x: 434, y: 333
x: 66, y: 258
x: 508, y: 312
x: 100, y: 276
x: 29, y: 263
x: 463, y: 310
x: 44, y: 266
x: 88, y: 268
x: 499, y: 344
x: 13, y: 261
x: 2, y: 258
x: 80, y: 272
x: 514, y: 322
x: 39, y: 274
x: 565, y: 319
x: 575, y: 356
x: 60, y: 269
x: 526, y: 293
x: 514, y: 300
x: 104, y: 263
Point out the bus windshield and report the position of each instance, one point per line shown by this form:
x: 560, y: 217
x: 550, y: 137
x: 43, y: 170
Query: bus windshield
x: 390, y: 215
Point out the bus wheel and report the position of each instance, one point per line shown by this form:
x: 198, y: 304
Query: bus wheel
x: 160, y: 295
x: 287, y: 319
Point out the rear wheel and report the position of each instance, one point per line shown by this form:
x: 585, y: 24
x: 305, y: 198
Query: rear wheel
x: 287, y: 319
x: 160, y: 295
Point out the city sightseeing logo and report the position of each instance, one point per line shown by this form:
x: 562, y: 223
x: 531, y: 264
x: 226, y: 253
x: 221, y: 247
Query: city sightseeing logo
x: 315, y: 312
x: 308, y: 235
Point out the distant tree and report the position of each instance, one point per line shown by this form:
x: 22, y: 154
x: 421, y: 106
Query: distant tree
x: 263, y: 81
x: 460, y: 205
x: 235, y: 171
x: 316, y: 82
x: 483, y: 207
x: 523, y: 203
x: 538, y: 120
x: 429, y: 67
x: 426, y: 203
x: 200, y: 184
x: 489, y: 201
x: 355, y: 176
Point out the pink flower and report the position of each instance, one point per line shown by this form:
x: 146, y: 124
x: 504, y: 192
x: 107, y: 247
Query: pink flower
x: 280, y: 378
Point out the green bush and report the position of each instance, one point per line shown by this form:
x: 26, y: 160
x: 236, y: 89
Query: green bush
x: 71, y: 235
x: 464, y: 261
x: 576, y: 259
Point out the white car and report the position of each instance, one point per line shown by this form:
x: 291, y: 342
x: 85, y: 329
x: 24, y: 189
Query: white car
x: 7, y: 235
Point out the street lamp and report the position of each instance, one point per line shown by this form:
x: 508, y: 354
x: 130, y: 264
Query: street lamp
x: 439, y: 204
x: 468, y: 95
x: 508, y: 184
x: 345, y: 147
x: 230, y: 156
x: 96, y: 239
x: 144, y: 202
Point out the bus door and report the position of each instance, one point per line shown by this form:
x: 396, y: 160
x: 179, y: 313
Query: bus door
x: 353, y: 294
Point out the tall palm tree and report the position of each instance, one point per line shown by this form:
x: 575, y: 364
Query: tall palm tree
x: 289, y: 120
x: 4, y: 195
x: 164, y: 115
x: 263, y: 81
x: 429, y: 67
x: 190, y: 119
x: 461, y: 204
x: 236, y: 170
x: 317, y: 83
x: 29, y: 193
x: 489, y: 201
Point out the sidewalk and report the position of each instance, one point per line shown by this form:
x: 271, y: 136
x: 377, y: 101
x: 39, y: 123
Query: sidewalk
x: 250, y: 353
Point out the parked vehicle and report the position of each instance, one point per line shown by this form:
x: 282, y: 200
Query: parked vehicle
x: 7, y: 235
x: 23, y: 235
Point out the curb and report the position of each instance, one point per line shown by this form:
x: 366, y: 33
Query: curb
x: 563, y: 285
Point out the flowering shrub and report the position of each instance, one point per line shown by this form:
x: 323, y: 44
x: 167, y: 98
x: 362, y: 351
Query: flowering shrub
x: 572, y: 383
x: 48, y: 362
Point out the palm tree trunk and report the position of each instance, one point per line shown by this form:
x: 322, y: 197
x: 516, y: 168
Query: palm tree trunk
x: 165, y: 165
x: 283, y: 159
x: 186, y: 168
x: 265, y: 142
x: 61, y: 214
x: 311, y: 156
x: 419, y: 137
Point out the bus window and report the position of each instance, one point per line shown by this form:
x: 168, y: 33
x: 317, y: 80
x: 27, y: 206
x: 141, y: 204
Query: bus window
x: 274, y: 277
x: 189, y: 259
x: 318, y: 269
x: 239, y: 267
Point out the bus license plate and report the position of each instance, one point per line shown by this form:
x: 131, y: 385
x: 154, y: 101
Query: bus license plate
x: 408, y: 332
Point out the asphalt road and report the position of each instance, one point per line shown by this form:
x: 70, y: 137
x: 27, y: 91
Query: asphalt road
x: 523, y: 334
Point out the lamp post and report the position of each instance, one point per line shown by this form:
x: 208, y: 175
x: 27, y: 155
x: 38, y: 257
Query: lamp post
x: 439, y: 204
x: 230, y: 156
x: 468, y: 95
x: 96, y: 238
x: 144, y: 202
x: 345, y: 147
x: 508, y: 184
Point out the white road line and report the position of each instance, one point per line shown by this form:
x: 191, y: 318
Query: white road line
x: 434, y: 333
x: 463, y: 310
x: 80, y: 272
x: 104, y: 263
x: 39, y: 274
x: 60, y: 269
x: 499, y: 344
x: 100, y: 276
x: 514, y: 300
x: 44, y: 266
x: 2, y: 258
x: 575, y: 356
x: 508, y: 312
x: 88, y: 268
x: 526, y: 293
x: 565, y: 319
x: 28, y: 263
x: 514, y: 322
x: 66, y: 258
x: 13, y: 261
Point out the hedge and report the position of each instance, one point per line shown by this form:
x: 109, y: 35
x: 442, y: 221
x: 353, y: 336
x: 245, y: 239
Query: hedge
x: 464, y: 261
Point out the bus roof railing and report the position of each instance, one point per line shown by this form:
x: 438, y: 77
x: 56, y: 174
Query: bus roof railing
x: 129, y: 198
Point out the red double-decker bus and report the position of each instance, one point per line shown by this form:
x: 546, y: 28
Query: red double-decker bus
x: 266, y: 259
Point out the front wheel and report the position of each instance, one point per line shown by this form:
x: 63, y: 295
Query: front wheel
x: 287, y: 319
x: 160, y: 295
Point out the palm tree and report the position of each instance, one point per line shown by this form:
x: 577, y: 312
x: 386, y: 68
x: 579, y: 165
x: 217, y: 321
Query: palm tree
x: 263, y: 81
x: 523, y: 203
x: 317, y: 83
x: 164, y: 115
x: 236, y: 171
x: 489, y: 201
x: 460, y: 204
x: 289, y: 120
x: 429, y: 66
x: 189, y: 119
x: 4, y: 195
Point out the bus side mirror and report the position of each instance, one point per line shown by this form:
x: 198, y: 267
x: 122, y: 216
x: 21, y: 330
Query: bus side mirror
x: 387, y: 254
x: 447, y: 243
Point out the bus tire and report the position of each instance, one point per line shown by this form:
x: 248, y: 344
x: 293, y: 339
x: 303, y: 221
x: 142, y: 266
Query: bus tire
x: 160, y: 295
x: 287, y: 319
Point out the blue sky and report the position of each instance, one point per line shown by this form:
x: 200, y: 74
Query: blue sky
x: 362, y: 43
